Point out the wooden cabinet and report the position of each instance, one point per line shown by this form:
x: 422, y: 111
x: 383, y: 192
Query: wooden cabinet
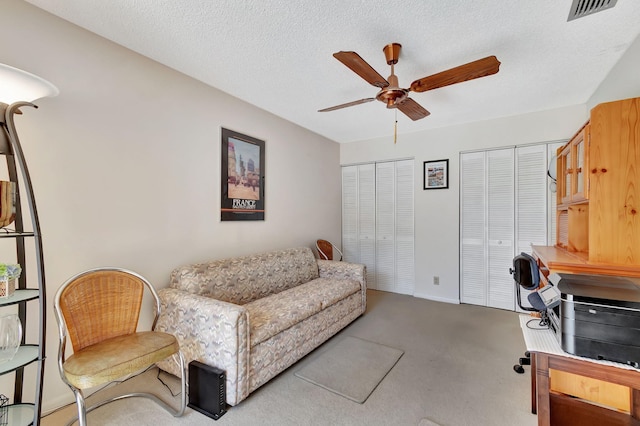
x: 598, y: 215
x: 598, y: 211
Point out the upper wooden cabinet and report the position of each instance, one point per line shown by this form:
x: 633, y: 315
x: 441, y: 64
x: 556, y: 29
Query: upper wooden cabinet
x: 599, y: 186
x: 573, y: 160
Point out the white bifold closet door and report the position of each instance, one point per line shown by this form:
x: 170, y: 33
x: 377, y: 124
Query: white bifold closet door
x: 378, y: 222
x: 359, y: 217
x: 504, y: 209
x: 394, y: 227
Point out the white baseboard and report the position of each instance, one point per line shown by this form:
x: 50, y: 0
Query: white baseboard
x: 437, y: 299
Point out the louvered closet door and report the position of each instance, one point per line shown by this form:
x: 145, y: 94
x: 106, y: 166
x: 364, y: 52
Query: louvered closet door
x: 359, y: 218
x: 487, y: 228
x: 377, y: 216
x: 531, y: 197
x: 504, y: 208
x: 394, y: 227
x: 500, y: 233
x: 404, y: 227
x: 385, y: 224
x: 535, y: 203
x: 367, y: 221
x: 473, y: 214
x: 350, y: 241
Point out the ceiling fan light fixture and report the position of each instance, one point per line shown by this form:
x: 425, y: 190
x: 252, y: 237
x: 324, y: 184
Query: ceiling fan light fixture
x: 397, y: 98
x: 392, y: 97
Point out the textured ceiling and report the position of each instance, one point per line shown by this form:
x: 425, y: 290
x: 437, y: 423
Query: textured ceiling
x: 277, y: 55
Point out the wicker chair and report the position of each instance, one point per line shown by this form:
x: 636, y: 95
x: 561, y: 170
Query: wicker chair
x: 326, y: 250
x: 98, y: 310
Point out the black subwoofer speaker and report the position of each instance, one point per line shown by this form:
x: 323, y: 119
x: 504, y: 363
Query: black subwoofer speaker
x: 207, y: 390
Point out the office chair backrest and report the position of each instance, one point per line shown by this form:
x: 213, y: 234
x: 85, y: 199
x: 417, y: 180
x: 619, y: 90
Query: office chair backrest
x: 525, y: 271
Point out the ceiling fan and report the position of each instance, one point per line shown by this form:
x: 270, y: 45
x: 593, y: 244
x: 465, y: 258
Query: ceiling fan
x: 396, y: 97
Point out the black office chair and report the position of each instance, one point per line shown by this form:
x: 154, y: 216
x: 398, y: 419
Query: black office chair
x: 526, y: 275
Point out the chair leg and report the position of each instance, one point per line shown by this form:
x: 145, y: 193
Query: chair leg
x: 522, y: 361
x: 183, y: 386
x: 82, y: 412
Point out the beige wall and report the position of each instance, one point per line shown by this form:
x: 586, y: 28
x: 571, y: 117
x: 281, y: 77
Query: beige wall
x: 437, y: 212
x: 622, y: 81
x: 125, y: 165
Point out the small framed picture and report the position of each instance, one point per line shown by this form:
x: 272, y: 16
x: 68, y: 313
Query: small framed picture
x: 436, y: 174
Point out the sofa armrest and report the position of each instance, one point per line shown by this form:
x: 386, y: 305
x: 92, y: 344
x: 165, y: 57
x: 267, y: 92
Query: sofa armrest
x: 345, y: 271
x: 211, y: 331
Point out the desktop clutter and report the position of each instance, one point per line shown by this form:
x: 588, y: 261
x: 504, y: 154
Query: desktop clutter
x: 592, y: 316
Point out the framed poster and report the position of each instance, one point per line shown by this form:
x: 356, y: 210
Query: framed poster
x: 436, y: 174
x: 242, y: 177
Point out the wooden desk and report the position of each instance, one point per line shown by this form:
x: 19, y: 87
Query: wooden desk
x: 558, y: 409
x: 555, y: 259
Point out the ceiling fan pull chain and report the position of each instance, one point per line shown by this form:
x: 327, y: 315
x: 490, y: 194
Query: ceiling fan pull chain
x: 395, y: 128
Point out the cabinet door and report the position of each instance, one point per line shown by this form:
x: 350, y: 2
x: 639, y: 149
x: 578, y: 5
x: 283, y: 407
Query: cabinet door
x: 565, y: 175
x: 580, y: 158
x: 614, y: 196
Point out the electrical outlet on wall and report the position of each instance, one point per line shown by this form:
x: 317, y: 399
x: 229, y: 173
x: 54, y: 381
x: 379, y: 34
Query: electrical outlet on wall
x: 436, y: 280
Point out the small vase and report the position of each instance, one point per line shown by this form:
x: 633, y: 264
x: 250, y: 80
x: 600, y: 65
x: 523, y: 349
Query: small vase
x: 10, y: 336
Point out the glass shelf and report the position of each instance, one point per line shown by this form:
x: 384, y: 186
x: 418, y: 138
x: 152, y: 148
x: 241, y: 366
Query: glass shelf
x: 20, y: 295
x: 20, y: 414
x: 26, y: 355
x: 13, y: 234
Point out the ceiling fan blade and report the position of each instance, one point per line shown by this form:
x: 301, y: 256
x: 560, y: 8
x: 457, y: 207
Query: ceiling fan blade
x: 348, y: 104
x: 358, y: 65
x: 412, y: 109
x: 476, y: 69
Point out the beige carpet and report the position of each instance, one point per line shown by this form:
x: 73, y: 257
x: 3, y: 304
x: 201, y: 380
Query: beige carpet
x: 456, y: 370
x: 352, y: 368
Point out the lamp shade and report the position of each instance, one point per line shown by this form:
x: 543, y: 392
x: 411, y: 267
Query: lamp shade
x: 17, y: 85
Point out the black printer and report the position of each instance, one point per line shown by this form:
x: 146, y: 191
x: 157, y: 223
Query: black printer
x: 598, y: 316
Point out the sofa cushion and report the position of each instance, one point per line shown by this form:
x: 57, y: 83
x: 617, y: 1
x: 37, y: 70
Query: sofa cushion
x: 272, y: 314
x: 244, y: 279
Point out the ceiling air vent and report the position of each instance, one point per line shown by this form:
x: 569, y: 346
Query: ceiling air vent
x: 580, y: 8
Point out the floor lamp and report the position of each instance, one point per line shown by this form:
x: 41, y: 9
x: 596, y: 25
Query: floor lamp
x: 18, y: 89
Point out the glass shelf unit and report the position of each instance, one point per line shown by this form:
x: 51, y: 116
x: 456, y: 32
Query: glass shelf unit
x: 23, y: 238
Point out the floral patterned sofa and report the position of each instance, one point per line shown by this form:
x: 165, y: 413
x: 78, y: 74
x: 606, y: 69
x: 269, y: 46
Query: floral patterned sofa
x: 254, y: 316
